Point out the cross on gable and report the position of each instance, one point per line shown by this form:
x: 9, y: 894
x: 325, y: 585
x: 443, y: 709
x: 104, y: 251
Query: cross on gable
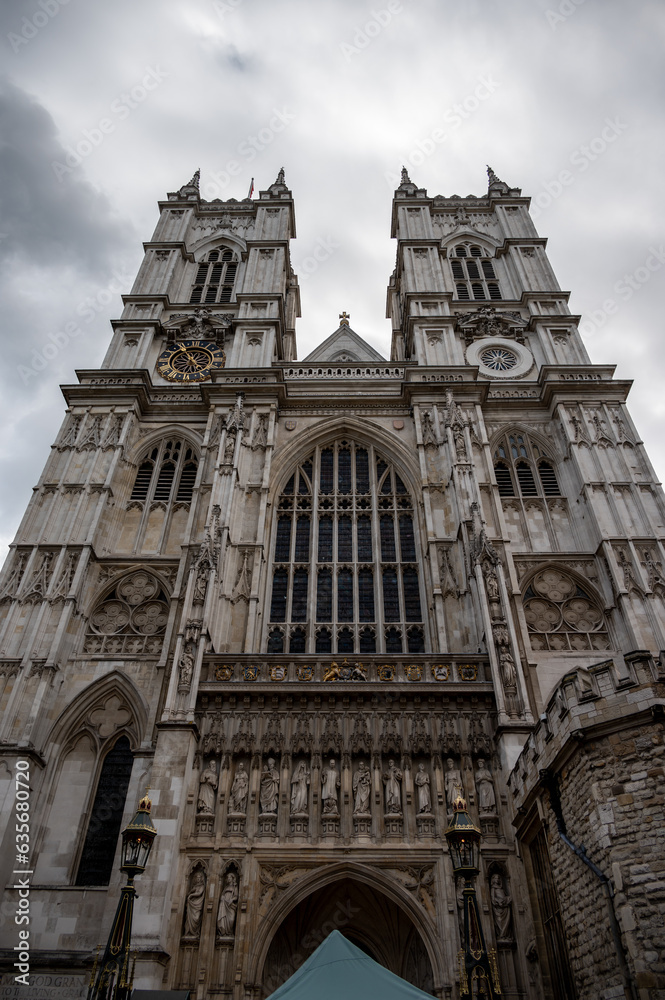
x: 344, y: 319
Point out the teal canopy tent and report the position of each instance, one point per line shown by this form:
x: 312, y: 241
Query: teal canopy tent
x: 337, y: 969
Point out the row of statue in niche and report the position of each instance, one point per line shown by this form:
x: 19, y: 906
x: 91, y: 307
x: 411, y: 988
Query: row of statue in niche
x: 226, y: 910
x: 500, y: 900
x: 329, y: 783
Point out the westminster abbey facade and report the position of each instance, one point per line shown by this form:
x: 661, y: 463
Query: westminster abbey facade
x: 309, y: 603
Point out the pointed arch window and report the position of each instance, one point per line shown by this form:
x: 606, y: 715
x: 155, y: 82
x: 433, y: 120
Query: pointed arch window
x: 215, y: 277
x: 167, y: 473
x: 522, y: 469
x: 96, y: 864
x: 345, y: 574
x: 473, y: 272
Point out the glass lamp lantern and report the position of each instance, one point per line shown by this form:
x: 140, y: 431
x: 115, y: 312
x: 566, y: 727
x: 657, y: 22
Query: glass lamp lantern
x: 479, y: 975
x: 463, y: 838
x: 137, y: 840
x: 112, y: 978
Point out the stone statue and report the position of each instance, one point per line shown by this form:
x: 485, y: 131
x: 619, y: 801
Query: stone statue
x: 492, y: 586
x: 194, y: 903
x: 330, y: 784
x: 299, y: 789
x: 453, y: 784
x: 269, y: 788
x: 460, y: 444
x: 201, y: 583
x: 485, y: 789
x: 422, y: 784
x: 186, y: 668
x: 229, y: 449
x: 508, y: 672
x: 205, y: 802
x: 391, y: 779
x: 228, y: 905
x: 362, y: 787
x: 239, y: 790
x: 501, y: 910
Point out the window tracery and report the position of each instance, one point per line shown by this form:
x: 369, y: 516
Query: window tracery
x: 96, y: 864
x: 131, y: 619
x: 166, y: 475
x: 473, y: 272
x: 345, y: 575
x: 215, y: 277
x: 560, y: 615
x: 523, y: 469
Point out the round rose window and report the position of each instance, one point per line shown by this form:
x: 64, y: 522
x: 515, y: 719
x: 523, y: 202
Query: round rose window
x: 499, y: 359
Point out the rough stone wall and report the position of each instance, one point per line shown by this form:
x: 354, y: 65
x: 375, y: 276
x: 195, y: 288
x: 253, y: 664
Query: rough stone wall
x: 610, y: 769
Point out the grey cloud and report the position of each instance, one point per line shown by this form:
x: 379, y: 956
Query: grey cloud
x: 354, y: 121
x: 49, y: 221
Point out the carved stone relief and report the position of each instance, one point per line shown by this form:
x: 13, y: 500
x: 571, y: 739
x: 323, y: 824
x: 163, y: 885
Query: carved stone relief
x: 194, y: 903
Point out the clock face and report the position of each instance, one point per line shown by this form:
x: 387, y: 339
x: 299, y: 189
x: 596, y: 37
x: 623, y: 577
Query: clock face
x: 190, y: 361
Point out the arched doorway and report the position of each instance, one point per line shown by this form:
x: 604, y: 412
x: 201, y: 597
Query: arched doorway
x: 371, y: 920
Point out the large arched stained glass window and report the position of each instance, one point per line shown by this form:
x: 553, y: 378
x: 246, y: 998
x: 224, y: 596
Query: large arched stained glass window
x: 345, y: 575
x: 96, y: 864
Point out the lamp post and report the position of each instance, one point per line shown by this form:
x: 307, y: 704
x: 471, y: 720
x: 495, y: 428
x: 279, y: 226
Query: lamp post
x: 479, y: 976
x: 111, y: 979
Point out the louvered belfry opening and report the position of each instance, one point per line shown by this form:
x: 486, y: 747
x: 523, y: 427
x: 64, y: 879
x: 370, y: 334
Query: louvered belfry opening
x: 215, y: 277
x: 345, y: 576
x: 473, y: 272
x: 168, y: 472
x: 519, y: 464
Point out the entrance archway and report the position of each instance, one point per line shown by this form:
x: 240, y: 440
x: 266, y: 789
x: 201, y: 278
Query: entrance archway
x: 369, y: 918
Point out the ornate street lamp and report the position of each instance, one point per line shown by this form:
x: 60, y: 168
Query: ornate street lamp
x: 479, y: 976
x: 112, y: 979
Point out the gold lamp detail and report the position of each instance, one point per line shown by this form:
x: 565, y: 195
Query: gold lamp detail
x: 479, y: 975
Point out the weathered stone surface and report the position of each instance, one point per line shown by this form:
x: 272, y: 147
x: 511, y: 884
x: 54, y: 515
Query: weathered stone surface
x: 345, y: 558
x: 594, y: 760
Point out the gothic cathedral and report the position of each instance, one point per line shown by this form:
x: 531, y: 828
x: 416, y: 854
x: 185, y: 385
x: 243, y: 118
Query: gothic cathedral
x: 308, y: 604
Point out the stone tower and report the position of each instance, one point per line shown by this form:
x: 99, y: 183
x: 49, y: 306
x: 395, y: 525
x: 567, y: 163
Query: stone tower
x: 308, y: 603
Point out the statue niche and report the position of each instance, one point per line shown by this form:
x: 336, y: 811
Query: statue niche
x: 269, y: 798
x: 237, y: 812
x: 205, y: 799
x: 300, y: 782
x: 194, y: 901
x: 228, y: 906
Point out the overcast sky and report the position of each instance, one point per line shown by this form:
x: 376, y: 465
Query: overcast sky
x: 149, y: 90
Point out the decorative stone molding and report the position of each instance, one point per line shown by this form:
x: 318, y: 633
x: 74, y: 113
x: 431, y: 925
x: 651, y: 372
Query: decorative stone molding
x: 310, y: 372
x: 498, y: 357
x: 490, y: 322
